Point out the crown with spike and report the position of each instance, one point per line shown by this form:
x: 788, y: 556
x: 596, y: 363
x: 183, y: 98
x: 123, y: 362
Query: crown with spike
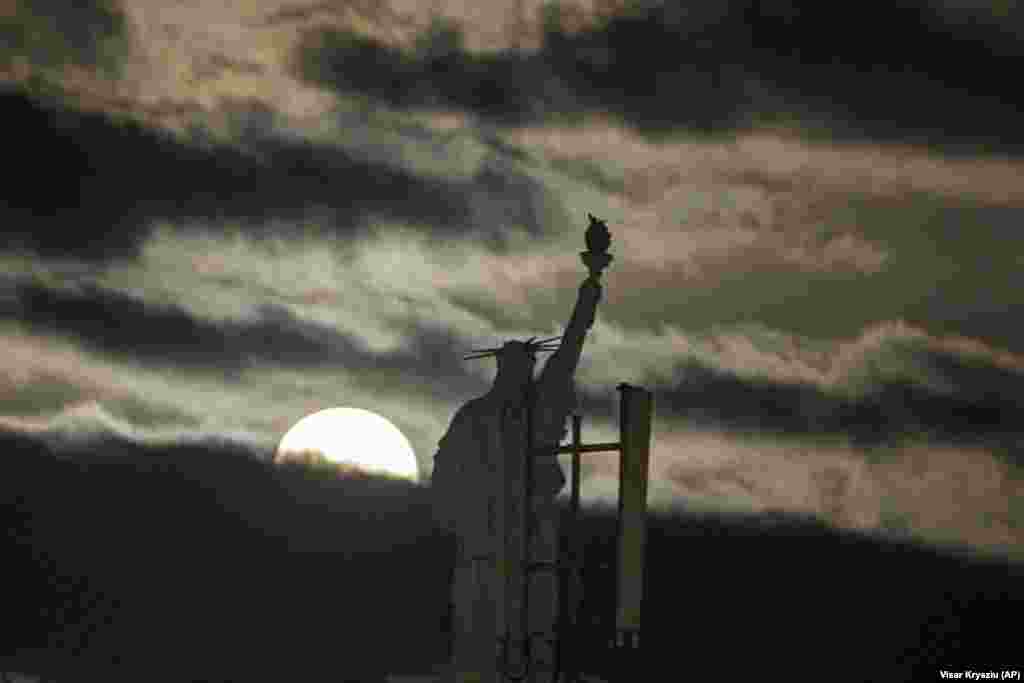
x: 532, y: 346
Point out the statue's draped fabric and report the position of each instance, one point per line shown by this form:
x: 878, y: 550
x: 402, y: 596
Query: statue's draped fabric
x: 479, y: 488
x: 482, y: 502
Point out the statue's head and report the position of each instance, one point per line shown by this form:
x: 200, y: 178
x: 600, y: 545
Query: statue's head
x: 516, y: 360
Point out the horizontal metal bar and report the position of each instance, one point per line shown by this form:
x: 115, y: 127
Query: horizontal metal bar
x: 589, y: 448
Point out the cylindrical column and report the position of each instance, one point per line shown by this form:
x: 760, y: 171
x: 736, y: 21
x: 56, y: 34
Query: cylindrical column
x: 573, y: 587
x: 635, y: 409
x: 527, y: 535
x: 577, y: 442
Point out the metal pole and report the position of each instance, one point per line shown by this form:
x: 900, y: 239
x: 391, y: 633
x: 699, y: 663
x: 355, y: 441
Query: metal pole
x: 590, y: 448
x: 635, y: 424
x: 563, y: 607
x: 623, y: 454
x: 564, y: 645
x: 577, y: 448
x: 527, y: 531
x: 574, y: 560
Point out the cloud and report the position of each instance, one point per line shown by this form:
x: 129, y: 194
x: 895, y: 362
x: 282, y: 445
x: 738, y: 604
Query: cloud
x: 264, y: 179
x: 232, y: 342
x: 738, y: 66
x: 892, y: 382
x: 384, y: 322
x: 861, y: 433
x: 117, y: 323
x: 790, y: 165
x: 933, y: 492
x: 112, y: 521
x: 145, y: 541
x: 829, y: 332
x: 40, y: 376
x: 245, y: 290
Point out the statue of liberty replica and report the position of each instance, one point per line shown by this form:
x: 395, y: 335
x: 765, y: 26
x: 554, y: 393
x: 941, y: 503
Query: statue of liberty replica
x: 495, y: 481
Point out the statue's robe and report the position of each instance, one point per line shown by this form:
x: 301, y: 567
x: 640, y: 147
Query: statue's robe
x: 479, y: 484
x: 486, y: 445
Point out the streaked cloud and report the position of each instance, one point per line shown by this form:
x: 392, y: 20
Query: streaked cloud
x: 797, y: 307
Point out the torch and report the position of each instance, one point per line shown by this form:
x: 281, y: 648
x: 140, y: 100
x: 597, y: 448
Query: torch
x: 596, y: 258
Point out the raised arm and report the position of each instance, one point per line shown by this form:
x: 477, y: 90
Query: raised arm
x: 561, y: 367
x: 556, y: 395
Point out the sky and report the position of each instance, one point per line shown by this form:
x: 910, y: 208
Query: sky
x: 218, y: 243
x: 829, y: 328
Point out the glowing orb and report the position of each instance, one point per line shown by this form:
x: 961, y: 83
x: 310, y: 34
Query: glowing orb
x: 352, y: 437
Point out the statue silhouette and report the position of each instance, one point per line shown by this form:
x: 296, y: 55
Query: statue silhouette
x: 479, y: 480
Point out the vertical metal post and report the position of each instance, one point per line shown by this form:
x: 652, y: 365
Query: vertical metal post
x: 526, y: 650
x: 577, y: 441
x: 635, y: 416
x: 565, y: 649
x: 573, y: 588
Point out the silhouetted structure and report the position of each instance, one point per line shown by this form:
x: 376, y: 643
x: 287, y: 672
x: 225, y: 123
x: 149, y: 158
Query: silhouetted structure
x: 505, y: 587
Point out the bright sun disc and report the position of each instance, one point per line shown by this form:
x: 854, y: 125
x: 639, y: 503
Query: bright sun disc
x: 351, y: 436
